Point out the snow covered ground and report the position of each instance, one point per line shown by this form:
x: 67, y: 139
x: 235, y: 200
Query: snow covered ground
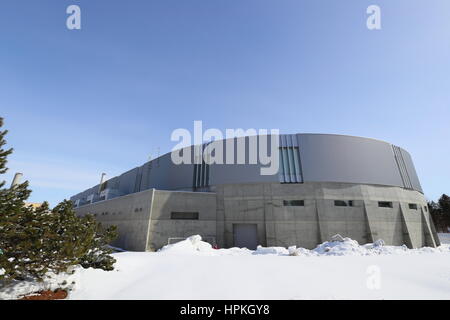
x: 343, y: 269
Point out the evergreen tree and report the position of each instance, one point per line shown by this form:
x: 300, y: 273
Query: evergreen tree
x: 12, y: 209
x: 36, y: 241
x: 444, y: 206
x: 3, y: 153
x: 440, y: 212
x: 82, y: 239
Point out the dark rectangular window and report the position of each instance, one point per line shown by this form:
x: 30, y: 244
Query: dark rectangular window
x: 385, y: 204
x: 294, y: 203
x: 413, y: 206
x: 340, y: 203
x: 184, y: 215
x: 350, y: 203
x: 426, y: 209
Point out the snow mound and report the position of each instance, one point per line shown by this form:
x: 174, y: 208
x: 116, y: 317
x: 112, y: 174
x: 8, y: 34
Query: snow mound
x: 341, y: 247
x: 279, y: 251
x: 133, y: 277
x: 338, y: 246
x: 348, y: 247
x: 192, y: 244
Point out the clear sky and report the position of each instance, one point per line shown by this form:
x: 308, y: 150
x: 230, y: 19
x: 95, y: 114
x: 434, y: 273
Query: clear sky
x: 106, y: 97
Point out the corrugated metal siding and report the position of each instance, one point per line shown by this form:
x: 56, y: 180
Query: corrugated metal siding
x: 303, y: 158
x: 402, y: 167
x: 290, y: 165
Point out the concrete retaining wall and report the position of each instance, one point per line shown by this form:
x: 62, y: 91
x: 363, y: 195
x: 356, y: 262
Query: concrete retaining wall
x: 319, y: 218
x: 131, y: 215
x: 162, y: 227
x: 145, y: 222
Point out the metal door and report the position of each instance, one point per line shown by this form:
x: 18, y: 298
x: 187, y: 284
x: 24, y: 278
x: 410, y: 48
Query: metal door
x: 245, y: 235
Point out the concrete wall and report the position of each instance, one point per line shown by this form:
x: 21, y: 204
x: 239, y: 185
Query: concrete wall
x: 162, y: 227
x: 238, y: 204
x: 145, y: 223
x: 144, y: 219
x: 319, y: 218
x: 131, y: 215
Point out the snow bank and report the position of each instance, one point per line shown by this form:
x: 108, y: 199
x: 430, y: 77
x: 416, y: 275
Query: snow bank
x: 19, y: 289
x: 193, y: 244
x: 269, y: 273
x: 338, y: 246
x: 193, y: 269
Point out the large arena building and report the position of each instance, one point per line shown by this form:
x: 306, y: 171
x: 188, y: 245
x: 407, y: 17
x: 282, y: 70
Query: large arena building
x: 325, y: 184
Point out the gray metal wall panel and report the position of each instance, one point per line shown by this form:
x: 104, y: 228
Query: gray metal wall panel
x: 236, y: 173
x: 165, y: 175
x: 127, y: 181
x: 336, y: 158
x: 411, y: 170
x: 323, y: 158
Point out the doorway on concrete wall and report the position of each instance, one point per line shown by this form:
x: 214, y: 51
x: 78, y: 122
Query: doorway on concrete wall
x: 245, y: 235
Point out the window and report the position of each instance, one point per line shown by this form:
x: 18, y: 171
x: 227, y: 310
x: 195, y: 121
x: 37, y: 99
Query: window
x: 294, y: 203
x: 184, y: 215
x: 340, y: 203
x: 385, y: 204
x: 426, y: 209
x: 412, y: 206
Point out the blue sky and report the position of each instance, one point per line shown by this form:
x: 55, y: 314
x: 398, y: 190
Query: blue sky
x: 106, y: 97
